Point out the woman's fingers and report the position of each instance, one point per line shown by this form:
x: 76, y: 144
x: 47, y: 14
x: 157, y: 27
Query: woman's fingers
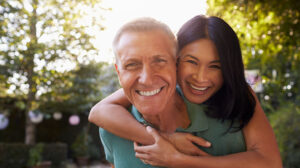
x: 146, y: 159
x: 154, y: 133
x: 142, y: 156
x: 146, y: 149
x: 142, y: 149
x: 199, y: 141
x: 201, y: 153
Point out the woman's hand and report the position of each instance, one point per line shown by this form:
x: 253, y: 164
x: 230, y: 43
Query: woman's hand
x: 185, y: 143
x: 162, y: 152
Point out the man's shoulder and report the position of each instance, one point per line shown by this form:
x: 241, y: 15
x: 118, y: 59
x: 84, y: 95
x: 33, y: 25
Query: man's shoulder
x: 106, y: 135
x: 104, y: 132
x: 112, y: 139
x: 119, y: 151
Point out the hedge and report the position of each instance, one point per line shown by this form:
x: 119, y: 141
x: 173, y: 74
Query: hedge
x: 16, y: 155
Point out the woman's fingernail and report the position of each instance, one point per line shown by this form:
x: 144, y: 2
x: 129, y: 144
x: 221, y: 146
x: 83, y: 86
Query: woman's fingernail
x: 149, y: 128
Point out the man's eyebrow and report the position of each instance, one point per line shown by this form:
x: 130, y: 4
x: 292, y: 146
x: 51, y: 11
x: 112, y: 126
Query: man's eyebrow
x: 129, y: 60
x: 159, y: 56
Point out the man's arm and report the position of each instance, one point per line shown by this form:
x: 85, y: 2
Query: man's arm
x: 111, y: 114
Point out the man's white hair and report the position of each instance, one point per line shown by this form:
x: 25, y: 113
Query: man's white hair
x: 142, y: 25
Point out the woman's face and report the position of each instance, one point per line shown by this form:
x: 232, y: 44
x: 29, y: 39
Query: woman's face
x: 199, y: 71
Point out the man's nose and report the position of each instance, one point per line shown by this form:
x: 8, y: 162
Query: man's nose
x: 146, y: 76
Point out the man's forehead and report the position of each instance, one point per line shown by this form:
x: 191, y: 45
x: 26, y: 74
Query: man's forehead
x: 139, y: 54
x: 136, y: 57
x: 139, y: 44
x: 143, y: 35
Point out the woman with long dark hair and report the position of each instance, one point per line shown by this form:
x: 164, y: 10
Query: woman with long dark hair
x: 233, y: 100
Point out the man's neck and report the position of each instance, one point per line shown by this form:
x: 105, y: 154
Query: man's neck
x: 173, y: 116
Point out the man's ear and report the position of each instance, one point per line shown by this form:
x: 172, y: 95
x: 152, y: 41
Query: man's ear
x: 116, y: 66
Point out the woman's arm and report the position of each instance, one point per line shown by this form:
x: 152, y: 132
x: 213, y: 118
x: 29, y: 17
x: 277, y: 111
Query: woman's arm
x: 111, y: 114
x: 262, y: 150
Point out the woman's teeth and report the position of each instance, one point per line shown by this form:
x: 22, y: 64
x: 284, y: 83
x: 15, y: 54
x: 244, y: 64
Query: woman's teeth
x: 198, y: 88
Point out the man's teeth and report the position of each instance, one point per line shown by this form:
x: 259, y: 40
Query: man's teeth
x: 199, y: 88
x: 149, y: 93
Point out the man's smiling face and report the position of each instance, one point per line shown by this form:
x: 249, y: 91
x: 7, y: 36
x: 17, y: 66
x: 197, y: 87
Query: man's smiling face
x: 147, y: 69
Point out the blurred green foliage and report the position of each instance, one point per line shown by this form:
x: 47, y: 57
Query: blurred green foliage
x: 16, y: 155
x: 269, y: 37
x: 46, y: 57
x: 35, y: 155
x: 80, y: 144
x: 268, y: 32
x: 286, y: 124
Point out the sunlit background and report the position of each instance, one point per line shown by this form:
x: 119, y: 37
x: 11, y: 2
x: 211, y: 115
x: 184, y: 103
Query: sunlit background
x: 56, y: 62
x: 172, y: 12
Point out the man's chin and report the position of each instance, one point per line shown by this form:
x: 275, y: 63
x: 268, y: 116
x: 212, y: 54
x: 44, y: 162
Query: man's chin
x: 149, y: 110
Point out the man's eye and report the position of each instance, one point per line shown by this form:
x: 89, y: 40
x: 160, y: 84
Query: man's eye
x: 160, y: 60
x: 131, y: 66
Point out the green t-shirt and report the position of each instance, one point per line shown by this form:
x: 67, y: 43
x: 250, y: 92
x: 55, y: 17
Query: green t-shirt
x: 120, y: 151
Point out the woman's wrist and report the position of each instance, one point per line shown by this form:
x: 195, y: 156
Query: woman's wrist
x: 165, y: 135
x: 176, y: 160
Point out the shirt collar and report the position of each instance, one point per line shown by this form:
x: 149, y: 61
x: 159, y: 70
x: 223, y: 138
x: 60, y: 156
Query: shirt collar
x: 138, y: 116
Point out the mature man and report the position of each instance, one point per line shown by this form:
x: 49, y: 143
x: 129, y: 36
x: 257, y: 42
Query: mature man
x: 145, y: 52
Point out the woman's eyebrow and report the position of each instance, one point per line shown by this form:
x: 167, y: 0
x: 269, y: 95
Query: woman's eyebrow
x: 215, y: 61
x: 193, y: 57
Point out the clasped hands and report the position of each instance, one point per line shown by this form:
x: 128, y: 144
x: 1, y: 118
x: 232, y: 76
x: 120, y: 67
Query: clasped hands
x: 168, y: 147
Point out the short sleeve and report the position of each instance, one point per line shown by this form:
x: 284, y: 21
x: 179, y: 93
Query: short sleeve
x: 105, y: 139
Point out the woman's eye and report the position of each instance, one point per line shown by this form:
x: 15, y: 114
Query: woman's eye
x: 192, y: 62
x: 215, y: 66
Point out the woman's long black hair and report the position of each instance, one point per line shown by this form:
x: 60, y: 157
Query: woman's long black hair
x: 234, y: 101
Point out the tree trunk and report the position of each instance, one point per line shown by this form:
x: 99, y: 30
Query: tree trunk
x: 29, y: 131
x: 30, y: 127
